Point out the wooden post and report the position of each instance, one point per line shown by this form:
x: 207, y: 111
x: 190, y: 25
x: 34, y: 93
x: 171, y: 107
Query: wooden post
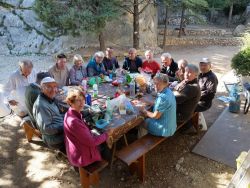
x: 84, y: 178
x: 28, y: 131
x: 141, y: 168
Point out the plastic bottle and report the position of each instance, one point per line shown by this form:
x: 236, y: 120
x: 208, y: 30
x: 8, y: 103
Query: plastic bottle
x: 132, y: 88
x: 84, y: 84
x: 108, y: 114
x: 95, y: 90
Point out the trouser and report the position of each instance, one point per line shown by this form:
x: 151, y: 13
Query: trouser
x: 202, y: 106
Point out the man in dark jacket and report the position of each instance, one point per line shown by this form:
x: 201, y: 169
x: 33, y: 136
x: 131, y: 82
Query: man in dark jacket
x: 208, y: 84
x: 169, y: 67
x: 132, y: 63
x: 187, y: 94
x: 31, y: 93
x: 47, y: 115
x: 109, y: 61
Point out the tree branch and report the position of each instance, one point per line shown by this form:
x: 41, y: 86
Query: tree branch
x: 144, y: 7
x: 127, y: 9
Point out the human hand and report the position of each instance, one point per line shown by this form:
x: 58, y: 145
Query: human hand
x: 13, y: 103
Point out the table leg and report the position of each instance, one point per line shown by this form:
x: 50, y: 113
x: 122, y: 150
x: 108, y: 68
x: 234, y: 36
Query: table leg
x: 113, y: 155
x: 125, y: 139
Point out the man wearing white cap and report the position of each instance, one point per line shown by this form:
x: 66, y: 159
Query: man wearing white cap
x: 208, y: 84
x: 47, y: 115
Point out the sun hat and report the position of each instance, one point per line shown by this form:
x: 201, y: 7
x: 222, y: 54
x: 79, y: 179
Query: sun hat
x: 47, y: 80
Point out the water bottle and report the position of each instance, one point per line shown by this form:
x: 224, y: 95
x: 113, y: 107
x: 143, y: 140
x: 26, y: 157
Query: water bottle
x: 132, y: 88
x: 95, y: 90
x: 84, y: 84
x: 88, y: 99
x: 108, y: 114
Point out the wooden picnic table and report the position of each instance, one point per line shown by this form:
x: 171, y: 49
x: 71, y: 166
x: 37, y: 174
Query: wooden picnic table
x: 120, y: 124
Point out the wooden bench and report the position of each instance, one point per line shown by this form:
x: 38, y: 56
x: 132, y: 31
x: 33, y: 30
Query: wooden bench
x: 134, y: 154
x: 29, y: 130
x: 90, y: 175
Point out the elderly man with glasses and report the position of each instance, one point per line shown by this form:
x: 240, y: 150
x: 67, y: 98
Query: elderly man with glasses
x: 47, y: 115
x: 162, y: 120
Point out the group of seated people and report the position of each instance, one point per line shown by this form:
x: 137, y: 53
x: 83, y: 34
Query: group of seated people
x: 194, y: 91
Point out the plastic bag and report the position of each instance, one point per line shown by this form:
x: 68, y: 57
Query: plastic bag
x: 123, y: 104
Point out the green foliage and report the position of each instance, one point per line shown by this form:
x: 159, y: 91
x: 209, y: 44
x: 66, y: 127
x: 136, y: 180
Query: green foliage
x: 195, y: 4
x: 246, y: 40
x: 73, y: 16
x: 241, y: 62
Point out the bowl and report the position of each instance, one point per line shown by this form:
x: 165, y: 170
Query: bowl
x: 101, y: 123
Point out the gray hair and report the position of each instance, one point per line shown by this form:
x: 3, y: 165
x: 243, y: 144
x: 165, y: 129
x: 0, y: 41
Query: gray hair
x: 132, y: 50
x: 166, y: 55
x: 149, y: 52
x: 99, y: 54
x: 25, y: 63
x: 182, y: 62
x: 76, y: 58
x: 162, y: 77
x: 193, y: 68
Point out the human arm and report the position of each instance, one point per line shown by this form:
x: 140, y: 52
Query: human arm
x: 211, y: 87
x: 72, y: 76
x: 82, y: 132
x: 44, y: 119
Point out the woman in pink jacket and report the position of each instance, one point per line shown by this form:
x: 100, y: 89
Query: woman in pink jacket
x: 81, y: 145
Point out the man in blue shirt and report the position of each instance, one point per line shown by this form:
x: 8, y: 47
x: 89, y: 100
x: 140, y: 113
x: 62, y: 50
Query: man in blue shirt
x: 162, y: 121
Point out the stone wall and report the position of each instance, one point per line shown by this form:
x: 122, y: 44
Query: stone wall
x: 21, y: 31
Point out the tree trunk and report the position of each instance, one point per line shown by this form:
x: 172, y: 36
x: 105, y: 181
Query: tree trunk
x: 182, y: 18
x: 165, y: 29
x: 230, y: 14
x: 102, y: 41
x: 136, y: 25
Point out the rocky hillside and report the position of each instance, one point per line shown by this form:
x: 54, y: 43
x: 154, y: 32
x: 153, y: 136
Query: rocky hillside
x: 21, y: 31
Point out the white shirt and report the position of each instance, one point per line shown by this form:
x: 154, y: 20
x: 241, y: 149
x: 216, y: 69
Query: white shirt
x: 18, y: 81
x: 14, y: 89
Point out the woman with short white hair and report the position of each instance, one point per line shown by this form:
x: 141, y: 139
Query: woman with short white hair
x: 78, y: 72
x: 95, y: 66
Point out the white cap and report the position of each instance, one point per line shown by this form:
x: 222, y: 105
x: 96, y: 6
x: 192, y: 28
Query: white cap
x: 205, y: 60
x: 47, y: 80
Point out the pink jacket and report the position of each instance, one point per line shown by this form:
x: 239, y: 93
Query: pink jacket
x: 81, y: 145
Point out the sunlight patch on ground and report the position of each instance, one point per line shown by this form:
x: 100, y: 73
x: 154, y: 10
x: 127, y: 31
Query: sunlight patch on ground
x: 220, y: 179
x: 44, y: 172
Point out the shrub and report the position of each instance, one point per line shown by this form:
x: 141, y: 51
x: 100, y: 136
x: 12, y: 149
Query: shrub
x: 241, y: 62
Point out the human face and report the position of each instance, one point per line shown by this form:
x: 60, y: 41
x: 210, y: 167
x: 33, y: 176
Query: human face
x: 149, y: 56
x: 109, y: 52
x: 26, y: 70
x: 166, y: 61
x: 98, y: 59
x: 189, y: 74
x: 50, y: 89
x: 157, y: 85
x: 78, y: 104
x: 61, y: 63
x: 132, y: 55
x: 205, y: 67
x: 78, y: 63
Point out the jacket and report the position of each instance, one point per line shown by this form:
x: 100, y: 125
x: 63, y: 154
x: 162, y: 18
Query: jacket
x: 95, y: 69
x: 76, y: 79
x: 208, y: 84
x: 187, y: 96
x: 49, y: 120
x: 81, y: 145
x: 127, y: 64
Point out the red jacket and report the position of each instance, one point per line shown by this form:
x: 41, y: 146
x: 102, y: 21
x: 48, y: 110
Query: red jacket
x: 81, y: 145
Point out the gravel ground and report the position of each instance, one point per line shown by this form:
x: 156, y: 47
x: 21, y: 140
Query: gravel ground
x: 171, y: 164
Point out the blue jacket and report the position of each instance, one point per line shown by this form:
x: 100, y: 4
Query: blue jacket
x: 95, y: 69
x: 127, y: 64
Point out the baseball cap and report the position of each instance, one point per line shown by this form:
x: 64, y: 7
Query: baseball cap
x: 205, y: 60
x: 47, y: 80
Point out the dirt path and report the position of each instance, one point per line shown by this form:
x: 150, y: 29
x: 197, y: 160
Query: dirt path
x: 172, y: 164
